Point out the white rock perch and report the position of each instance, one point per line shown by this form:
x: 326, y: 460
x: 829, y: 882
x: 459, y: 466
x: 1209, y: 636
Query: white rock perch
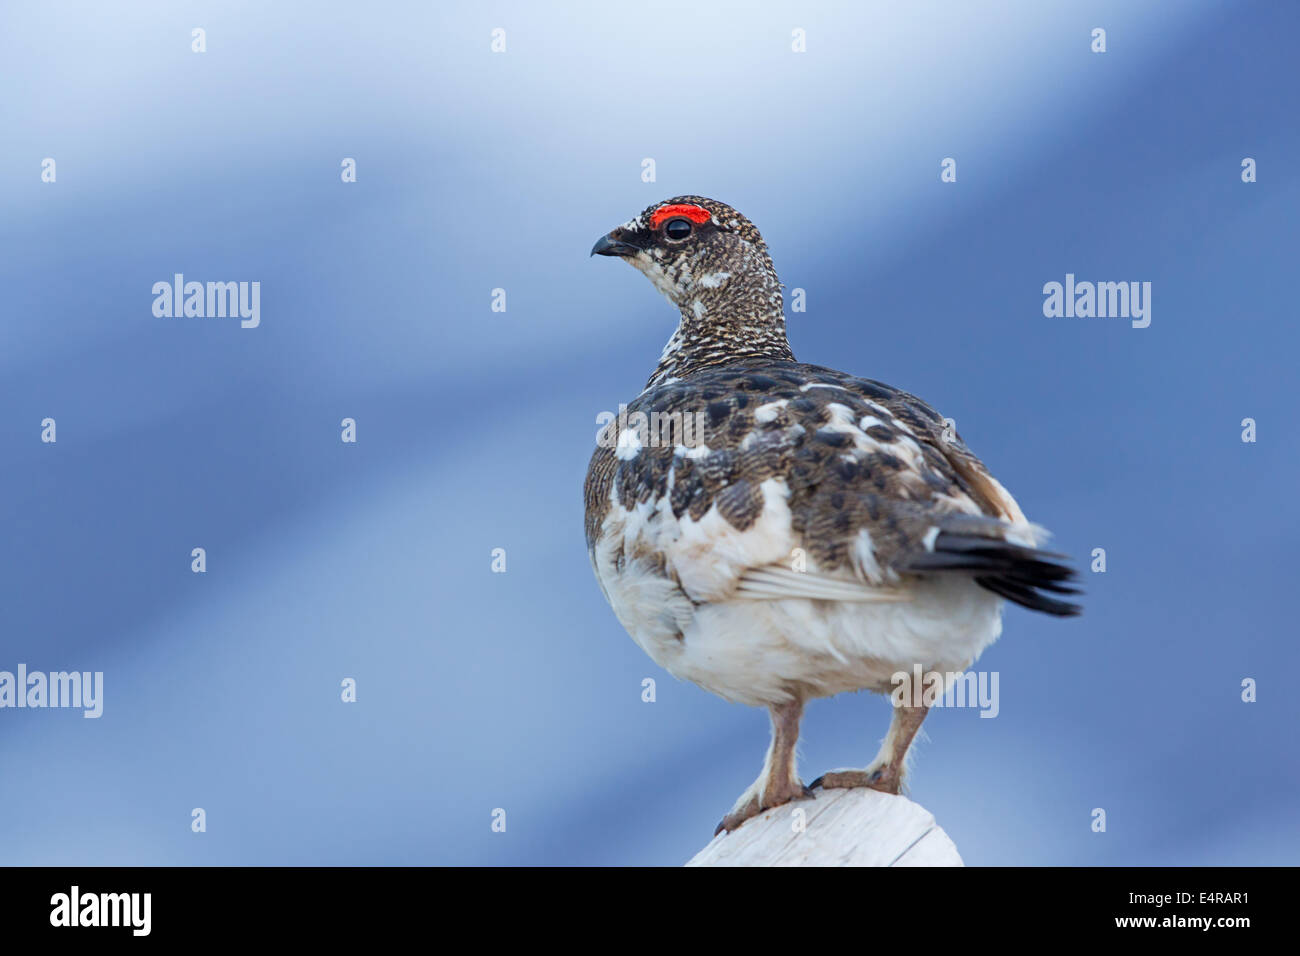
x: 856, y: 827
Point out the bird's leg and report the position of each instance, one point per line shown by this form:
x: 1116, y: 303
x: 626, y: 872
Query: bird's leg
x: 779, y: 782
x: 885, y: 773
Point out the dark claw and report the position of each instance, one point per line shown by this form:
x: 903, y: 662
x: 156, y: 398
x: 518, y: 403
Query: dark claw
x: 815, y: 784
x: 721, y: 826
x: 808, y: 791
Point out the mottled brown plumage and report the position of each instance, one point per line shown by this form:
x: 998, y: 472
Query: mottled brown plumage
x: 835, y: 490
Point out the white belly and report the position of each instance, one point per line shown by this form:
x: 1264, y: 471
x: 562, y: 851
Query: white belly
x: 760, y: 652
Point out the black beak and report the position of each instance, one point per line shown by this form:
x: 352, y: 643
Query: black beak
x: 605, y: 246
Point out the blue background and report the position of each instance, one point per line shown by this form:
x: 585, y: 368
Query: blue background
x: 476, y: 171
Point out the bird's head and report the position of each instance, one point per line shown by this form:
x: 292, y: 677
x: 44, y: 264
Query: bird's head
x: 712, y: 264
x: 698, y: 252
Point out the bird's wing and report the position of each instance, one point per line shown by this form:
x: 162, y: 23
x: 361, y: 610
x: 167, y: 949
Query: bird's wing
x: 773, y: 582
x: 804, y: 481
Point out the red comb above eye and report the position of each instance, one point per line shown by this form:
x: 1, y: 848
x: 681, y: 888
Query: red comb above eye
x: 672, y: 210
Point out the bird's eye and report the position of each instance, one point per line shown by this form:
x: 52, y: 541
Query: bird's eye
x: 677, y: 229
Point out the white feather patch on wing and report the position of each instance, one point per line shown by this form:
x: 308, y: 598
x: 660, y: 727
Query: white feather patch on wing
x: 710, y: 554
x: 774, y: 582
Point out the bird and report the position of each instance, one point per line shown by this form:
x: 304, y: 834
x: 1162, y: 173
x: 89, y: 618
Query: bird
x: 777, y: 532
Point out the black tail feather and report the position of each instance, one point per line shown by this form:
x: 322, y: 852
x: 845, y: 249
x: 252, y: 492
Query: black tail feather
x: 1026, y: 597
x: 1015, y: 572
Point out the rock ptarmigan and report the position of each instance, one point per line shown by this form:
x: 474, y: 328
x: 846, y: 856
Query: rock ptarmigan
x: 775, y: 531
